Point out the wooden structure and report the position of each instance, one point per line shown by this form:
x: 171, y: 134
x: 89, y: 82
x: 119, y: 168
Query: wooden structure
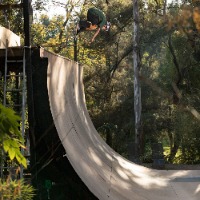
x: 13, y: 87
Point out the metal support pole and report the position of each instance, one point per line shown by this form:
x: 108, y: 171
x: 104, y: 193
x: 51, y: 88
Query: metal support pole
x: 75, y: 48
x: 23, y: 109
x: 26, y: 12
x: 5, y: 74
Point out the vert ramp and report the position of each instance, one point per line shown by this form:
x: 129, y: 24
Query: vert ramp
x: 108, y: 175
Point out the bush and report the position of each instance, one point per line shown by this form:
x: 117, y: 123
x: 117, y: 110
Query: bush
x: 15, y: 190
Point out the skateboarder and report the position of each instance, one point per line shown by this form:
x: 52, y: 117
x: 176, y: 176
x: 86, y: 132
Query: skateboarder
x: 96, y: 20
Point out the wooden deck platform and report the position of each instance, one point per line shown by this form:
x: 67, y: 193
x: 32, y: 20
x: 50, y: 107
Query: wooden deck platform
x: 15, y: 54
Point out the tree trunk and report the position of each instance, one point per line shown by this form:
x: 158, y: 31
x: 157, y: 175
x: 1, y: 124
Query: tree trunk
x: 137, y: 88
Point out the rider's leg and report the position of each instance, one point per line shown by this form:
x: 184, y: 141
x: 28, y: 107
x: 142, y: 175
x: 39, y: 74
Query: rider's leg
x: 83, y: 25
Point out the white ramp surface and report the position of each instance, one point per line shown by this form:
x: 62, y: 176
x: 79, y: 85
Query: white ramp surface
x: 9, y: 38
x: 108, y: 175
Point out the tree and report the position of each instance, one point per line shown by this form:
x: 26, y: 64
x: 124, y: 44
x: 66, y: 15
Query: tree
x: 12, y: 142
x: 137, y: 88
x: 168, y: 53
x: 15, y: 189
x: 10, y: 136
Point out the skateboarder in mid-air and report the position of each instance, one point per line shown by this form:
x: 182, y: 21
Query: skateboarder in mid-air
x: 96, y: 20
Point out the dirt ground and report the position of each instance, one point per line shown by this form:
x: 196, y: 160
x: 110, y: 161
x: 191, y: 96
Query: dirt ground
x: 176, y: 167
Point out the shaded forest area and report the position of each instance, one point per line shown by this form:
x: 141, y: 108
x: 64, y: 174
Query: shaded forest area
x: 169, y: 48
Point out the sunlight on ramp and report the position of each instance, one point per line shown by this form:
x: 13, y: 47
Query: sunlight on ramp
x: 106, y: 173
x: 9, y: 38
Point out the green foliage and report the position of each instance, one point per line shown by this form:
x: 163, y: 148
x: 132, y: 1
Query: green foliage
x: 47, y: 31
x: 16, y: 190
x: 10, y: 136
x: 163, y: 119
x: 108, y: 72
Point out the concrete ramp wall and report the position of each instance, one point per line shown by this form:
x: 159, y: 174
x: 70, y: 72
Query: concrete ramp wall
x: 7, y: 35
x: 108, y: 175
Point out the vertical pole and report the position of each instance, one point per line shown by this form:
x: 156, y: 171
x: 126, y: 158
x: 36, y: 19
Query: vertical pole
x: 5, y: 74
x: 27, y: 67
x: 137, y: 88
x: 4, y: 102
x: 26, y: 12
x: 75, y: 40
x: 30, y: 97
x: 23, y: 97
x: 23, y: 109
x: 75, y: 48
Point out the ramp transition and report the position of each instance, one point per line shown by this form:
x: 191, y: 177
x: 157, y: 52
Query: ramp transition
x: 107, y: 174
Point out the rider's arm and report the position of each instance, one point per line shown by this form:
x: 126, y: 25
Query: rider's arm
x: 95, y: 35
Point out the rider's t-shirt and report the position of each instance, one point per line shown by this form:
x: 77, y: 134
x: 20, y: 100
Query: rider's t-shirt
x: 101, y: 16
